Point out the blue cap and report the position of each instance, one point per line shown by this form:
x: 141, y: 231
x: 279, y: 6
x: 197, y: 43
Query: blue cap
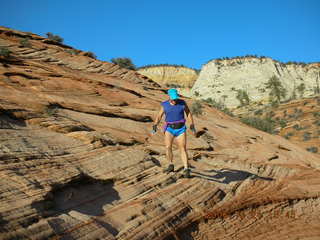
x: 173, y: 93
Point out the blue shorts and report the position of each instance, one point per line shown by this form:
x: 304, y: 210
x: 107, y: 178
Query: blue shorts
x: 176, y: 132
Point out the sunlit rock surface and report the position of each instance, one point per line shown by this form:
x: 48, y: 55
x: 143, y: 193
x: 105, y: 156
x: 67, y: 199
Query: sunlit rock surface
x: 78, y: 161
x: 171, y: 75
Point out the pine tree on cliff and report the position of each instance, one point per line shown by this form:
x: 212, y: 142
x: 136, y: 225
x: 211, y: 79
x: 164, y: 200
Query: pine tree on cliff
x: 301, y: 89
x: 243, y: 97
x: 53, y: 37
x: 277, y: 91
x: 124, y: 63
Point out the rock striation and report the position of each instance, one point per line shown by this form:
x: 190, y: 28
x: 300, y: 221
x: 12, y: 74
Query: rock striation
x: 171, y: 75
x: 218, y: 79
x: 78, y: 162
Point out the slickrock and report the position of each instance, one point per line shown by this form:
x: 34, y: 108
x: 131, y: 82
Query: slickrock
x: 78, y: 160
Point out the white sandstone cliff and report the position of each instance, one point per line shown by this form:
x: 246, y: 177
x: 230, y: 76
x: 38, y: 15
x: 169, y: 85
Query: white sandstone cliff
x: 171, y: 75
x: 219, y: 78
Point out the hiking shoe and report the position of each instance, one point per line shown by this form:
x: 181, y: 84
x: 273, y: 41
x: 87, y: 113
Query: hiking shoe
x: 169, y: 169
x: 186, y: 173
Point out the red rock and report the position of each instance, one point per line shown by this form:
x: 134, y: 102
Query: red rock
x: 78, y: 163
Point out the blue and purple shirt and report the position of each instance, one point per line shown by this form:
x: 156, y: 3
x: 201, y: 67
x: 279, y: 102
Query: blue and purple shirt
x: 174, y: 113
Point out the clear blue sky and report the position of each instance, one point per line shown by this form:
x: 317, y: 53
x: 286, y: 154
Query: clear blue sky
x: 176, y: 31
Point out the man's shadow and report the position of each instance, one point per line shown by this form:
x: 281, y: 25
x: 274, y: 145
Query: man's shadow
x: 227, y: 176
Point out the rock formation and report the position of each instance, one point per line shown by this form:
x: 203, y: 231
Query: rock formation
x: 171, y: 75
x: 218, y: 79
x: 78, y: 162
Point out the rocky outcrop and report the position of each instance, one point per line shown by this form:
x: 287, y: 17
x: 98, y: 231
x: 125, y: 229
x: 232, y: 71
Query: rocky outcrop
x: 171, y: 75
x: 219, y: 79
x: 78, y: 160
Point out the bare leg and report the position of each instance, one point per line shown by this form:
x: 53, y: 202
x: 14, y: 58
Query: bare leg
x: 182, y: 144
x: 168, y: 140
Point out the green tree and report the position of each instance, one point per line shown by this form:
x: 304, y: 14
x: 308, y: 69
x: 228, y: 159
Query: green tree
x: 4, y: 52
x: 294, y: 93
x: 90, y: 54
x: 243, y: 97
x: 124, y: 63
x: 301, y: 89
x: 54, y: 37
x: 316, y: 89
x: 277, y: 91
x: 196, y: 93
x: 196, y: 108
x: 264, y: 124
x: 224, y: 97
x: 219, y: 105
x: 25, y: 43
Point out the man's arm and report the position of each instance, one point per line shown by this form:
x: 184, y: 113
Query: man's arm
x: 157, y: 120
x: 159, y: 116
x: 190, y: 118
x: 189, y: 114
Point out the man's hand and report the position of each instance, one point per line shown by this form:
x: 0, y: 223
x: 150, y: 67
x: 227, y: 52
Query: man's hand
x: 193, y: 129
x: 154, y: 129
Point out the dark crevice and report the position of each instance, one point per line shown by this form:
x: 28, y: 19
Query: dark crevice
x: 12, y: 112
x: 209, y: 149
x: 84, y: 194
x: 137, y: 118
x: 3, y: 223
x: 170, y: 237
x: 107, y: 85
x: 54, y: 75
x: 8, y: 119
x: 130, y: 143
x: 12, y: 61
x: 186, y: 233
x: 153, y: 160
x: 152, y: 152
x: 219, y: 125
x: 273, y: 158
x: 10, y: 74
x: 200, y: 133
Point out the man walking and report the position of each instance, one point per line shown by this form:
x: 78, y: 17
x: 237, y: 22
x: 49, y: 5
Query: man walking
x: 175, y: 110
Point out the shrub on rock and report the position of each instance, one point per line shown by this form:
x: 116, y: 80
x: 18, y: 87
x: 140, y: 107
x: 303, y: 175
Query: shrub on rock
x: 4, y: 52
x: 124, y: 63
x: 53, y: 37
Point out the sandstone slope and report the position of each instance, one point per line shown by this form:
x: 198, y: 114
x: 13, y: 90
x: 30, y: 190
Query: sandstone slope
x: 78, y: 162
x: 297, y: 120
x: 218, y: 79
x: 170, y: 75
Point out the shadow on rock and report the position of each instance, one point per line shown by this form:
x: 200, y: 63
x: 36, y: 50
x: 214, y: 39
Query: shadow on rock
x: 8, y: 121
x: 2, y: 224
x: 227, y: 176
x: 84, y: 195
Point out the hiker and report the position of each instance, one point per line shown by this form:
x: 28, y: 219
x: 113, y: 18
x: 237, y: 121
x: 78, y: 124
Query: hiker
x: 175, y: 128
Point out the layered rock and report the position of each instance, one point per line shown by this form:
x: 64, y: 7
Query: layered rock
x: 171, y: 75
x: 219, y: 79
x: 78, y: 162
